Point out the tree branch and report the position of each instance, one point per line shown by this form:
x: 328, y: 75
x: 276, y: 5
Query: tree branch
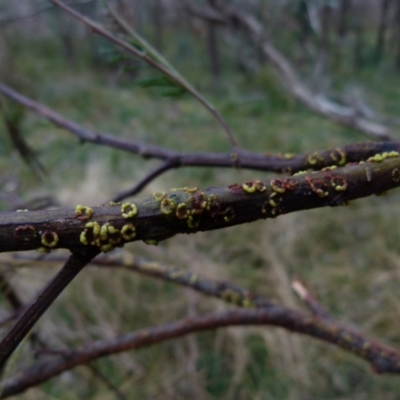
x: 30, y: 316
x: 382, y: 358
x: 287, y: 163
x: 189, y: 210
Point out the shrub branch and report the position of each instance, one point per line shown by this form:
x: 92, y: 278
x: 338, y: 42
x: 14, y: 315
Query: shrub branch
x: 189, y: 210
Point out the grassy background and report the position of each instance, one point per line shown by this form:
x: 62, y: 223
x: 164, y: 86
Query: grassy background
x: 349, y: 255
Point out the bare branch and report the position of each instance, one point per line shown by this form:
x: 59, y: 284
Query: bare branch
x: 382, y: 358
x: 287, y: 163
x: 31, y: 314
x: 223, y: 290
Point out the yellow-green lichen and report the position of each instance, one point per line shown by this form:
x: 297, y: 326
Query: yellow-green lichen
x: 182, y: 211
x: 114, y: 235
x: 277, y: 186
x: 253, y: 186
x: 248, y: 303
x: 190, y: 189
x: 105, y: 248
x: 338, y: 156
x: 104, y: 232
x: 330, y: 168
x: 158, y: 196
x: 83, y: 238
x: 272, y: 199
x: 383, y: 156
x: 49, y: 239
x: 151, y: 242
x: 396, y: 175
x: 289, y: 156
x: 167, y: 206
x: 314, y: 158
x: 192, y: 222
x: 231, y: 296
x: 96, y: 229
x: 83, y: 212
x: 339, y: 183
x: 129, y: 210
x: 128, y: 232
x: 376, y: 158
x: 300, y: 173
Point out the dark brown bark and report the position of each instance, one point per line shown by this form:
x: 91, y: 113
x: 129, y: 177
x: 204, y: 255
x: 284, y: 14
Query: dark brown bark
x: 188, y: 210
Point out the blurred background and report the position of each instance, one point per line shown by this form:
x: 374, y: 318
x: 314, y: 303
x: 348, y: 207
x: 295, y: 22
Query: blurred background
x: 348, y: 50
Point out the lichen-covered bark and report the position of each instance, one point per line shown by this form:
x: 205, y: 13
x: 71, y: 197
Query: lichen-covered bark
x: 188, y: 210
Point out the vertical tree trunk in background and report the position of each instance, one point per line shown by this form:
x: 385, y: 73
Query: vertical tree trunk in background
x: 344, y: 11
x: 381, y: 35
x: 342, y: 28
x: 359, y: 43
x: 305, y: 30
x: 325, y: 16
x: 396, y: 32
x: 158, y: 23
x: 67, y: 39
x: 212, y: 47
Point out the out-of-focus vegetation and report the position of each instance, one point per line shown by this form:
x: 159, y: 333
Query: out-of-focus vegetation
x: 349, y: 255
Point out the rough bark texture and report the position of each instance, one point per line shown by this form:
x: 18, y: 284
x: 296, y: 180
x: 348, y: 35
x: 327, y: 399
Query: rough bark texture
x: 188, y: 210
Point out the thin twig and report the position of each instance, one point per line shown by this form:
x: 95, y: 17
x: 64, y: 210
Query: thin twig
x: 96, y: 28
x: 309, y: 299
x: 159, y: 170
x: 223, y: 290
x: 287, y: 163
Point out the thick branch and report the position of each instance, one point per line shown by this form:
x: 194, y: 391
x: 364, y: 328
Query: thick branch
x: 188, y: 210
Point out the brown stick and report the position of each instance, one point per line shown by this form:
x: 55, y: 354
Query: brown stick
x: 382, y: 358
x: 30, y: 316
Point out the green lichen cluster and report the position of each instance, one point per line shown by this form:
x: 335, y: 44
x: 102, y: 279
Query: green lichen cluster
x: 106, y: 236
x: 383, y: 156
x: 187, y: 203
